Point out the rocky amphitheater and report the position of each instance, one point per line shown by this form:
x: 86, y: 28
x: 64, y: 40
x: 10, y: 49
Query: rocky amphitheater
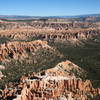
x: 20, y: 40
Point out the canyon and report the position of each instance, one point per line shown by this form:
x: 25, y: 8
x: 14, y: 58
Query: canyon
x: 50, y: 59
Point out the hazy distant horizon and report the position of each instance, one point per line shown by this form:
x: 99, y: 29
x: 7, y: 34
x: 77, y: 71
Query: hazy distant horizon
x: 54, y: 15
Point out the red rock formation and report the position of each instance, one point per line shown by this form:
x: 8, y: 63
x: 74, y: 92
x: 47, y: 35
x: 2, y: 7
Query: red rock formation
x: 64, y: 80
x: 18, y: 50
x: 50, y: 35
x: 46, y: 89
x: 66, y: 68
x: 50, y: 86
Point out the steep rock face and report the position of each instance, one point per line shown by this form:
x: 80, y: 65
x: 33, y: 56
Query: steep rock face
x: 50, y: 35
x: 20, y: 50
x: 53, y: 84
x: 50, y: 29
x: 54, y: 89
x: 63, y: 82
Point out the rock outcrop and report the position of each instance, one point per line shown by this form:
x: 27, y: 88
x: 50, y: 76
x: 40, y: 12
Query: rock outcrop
x: 49, y: 30
x: 66, y: 68
x: 56, y: 87
x: 52, y: 84
x: 19, y: 50
x: 50, y: 35
x: 62, y: 82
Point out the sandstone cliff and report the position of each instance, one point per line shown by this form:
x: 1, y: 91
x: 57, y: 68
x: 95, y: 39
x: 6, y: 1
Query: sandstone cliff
x: 20, y: 50
x: 50, y: 31
x: 52, y: 84
x: 64, y: 81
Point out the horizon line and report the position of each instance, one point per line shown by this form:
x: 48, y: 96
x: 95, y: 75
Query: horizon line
x: 52, y: 15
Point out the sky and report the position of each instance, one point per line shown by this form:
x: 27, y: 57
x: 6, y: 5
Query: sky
x: 49, y: 7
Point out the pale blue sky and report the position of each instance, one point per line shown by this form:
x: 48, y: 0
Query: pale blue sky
x: 49, y: 7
